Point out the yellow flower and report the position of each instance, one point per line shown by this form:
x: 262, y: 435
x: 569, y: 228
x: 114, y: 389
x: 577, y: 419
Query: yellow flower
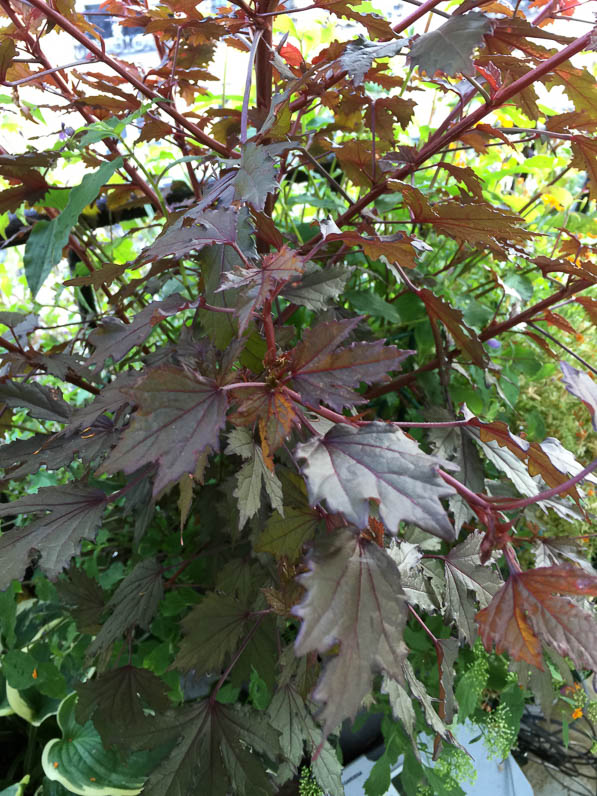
x: 577, y: 713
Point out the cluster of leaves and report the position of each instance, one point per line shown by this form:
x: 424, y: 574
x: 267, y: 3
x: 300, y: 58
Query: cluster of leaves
x: 280, y: 462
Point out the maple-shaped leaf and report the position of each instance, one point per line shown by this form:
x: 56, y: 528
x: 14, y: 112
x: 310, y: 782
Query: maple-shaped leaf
x: 317, y: 286
x: 134, y: 602
x: 252, y: 476
x: 84, y: 598
x: 465, y: 577
x: 323, y: 373
x: 527, y: 612
x: 414, y: 582
x: 24, y: 456
x: 377, y: 26
x: 215, y: 751
x: 74, y: 513
x: 582, y: 386
x: 284, y: 535
x: 42, y: 402
x: 115, y: 699
x: 289, y: 714
x: 397, y: 248
x: 359, y: 55
x: 115, y: 339
x: 257, y: 285
x: 466, y: 175
x: 353, y: 599
x: 213, y: 630
x: 179, y: 415
x: 272, y: 410
x: 450, y: 47
x: 256, y: 175
x: 192, y: 231
x: 550, y: 459
x: 464, y: 337
x: 110, y: 399
x: 590, y: 307
x: 470, y: 223
x: 349, y: 467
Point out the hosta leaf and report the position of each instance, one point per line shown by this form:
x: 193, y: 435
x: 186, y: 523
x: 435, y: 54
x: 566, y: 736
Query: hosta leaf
x: 349, y: 467
x: 179, y: 415
x: 75, y: 512
x: 114, y: 339
x: 359, y: 55
x: 213, y: 630
x: 582, y: 386
x: 527, y: 612
x: 353, y: 598
x: 134, y: 602
x: 116, y: 698
x: 80, y: 763
x: 323, y: 373
x: 256, y: 176
x: 317, y: 286
x: 42, y: 402
x: 257, y: 285
x: 449, y: 49
x: 465, y: 577
x: 215, y: 752
x: 289, y: 714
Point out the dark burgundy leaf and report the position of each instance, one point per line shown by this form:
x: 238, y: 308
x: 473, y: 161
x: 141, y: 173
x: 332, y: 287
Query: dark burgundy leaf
x: 74, y: 513
x: 350, y: 468
x: 178, y: 416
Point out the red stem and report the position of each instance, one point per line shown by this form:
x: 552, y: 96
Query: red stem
x: 419, y: 12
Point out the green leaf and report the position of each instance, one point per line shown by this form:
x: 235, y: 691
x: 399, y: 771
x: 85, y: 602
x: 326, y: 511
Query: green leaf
x: 353, y: 598
x: 252, y: 476
x: 349, y: 467
x: 284, y: 535
x: 258, y: 691
x: 134, y: 602
x: 18, y: 789
x: 80, y: 763
x: 8, y: 614
x: 369, y: 303
x: 48, y: 238
x: 19, y: 669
